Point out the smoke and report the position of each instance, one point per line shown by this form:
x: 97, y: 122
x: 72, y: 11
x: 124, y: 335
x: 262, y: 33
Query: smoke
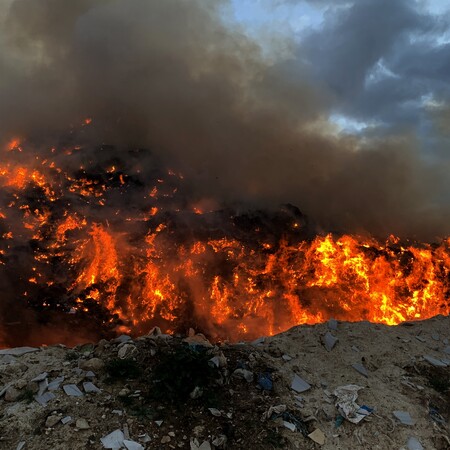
x: 181, y: 78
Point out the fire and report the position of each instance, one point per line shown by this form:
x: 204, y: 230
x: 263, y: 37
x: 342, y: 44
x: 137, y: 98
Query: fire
x: 165, y: 264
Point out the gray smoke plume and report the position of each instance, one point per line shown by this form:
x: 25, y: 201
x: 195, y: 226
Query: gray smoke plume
x: 182, y: 79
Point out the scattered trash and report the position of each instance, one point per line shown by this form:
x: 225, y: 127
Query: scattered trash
x: 215, y: 412
x: 90, y: 387
x: 361, y: 369
x: 299, y: 423
x: 299, y: 385
x: 42, y: 376
x: 72, y: 390
x: 317, y: 436
x: 265, y: 381
x: 434, y: 361
x: 286, y: 357
x: 127, y: 351
x: 332, y: 324
x: 195, y: 445
x: 421, y: 339
x: 414, y: 444
x: 243, y: 373
x: 144, y: 438
x: 259, y: 341
x: 18, y: 351
x: 20, y: 445
x: 89, y: 374
x: 278, y: 409
x: 159, y: 422
x: 113, y: 440
x: 214, y: 362
x: 45, y: 398
x: 339, y: 421
x: 436, y: 416
x: 330, y: 341
x: 404, y: 417
x: 289, y: 425
x: 131, y: 445
x: 66, y: 419
x: 346, y: 403
x: 55, y: 384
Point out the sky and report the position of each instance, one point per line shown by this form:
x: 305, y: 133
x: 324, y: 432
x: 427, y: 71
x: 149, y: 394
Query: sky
x: 340, y: 107
x: 310, y: 22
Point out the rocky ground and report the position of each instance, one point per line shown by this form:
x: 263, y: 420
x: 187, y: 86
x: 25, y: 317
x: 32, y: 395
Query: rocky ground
x: 334, y: 386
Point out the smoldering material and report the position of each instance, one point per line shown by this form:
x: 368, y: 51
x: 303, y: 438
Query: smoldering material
x: 179, y: 78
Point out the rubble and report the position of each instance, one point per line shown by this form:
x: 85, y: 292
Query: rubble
x: 299, y: 384
x: 255, y: 391
x: 404, y: 417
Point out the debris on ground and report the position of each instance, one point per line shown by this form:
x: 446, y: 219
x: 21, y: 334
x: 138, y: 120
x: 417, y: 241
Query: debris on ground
x: 294, y: 390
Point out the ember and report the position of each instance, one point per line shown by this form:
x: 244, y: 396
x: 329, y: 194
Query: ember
x: 113, y: 245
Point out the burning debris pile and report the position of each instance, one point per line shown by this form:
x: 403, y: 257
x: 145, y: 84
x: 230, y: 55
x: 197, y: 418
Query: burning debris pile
x: 115, y: 244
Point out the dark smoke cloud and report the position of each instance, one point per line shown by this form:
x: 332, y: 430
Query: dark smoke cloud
x: 178, y: 78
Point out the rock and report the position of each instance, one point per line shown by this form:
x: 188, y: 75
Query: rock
x: 72, y: 390
x: 198, y: 339
x: 123, y: 392
x: 244, y: 374
x: 414, y: 444
x: 159, y: 422
x: 121, y: 339
x: 258, y: 342
x: 93, y: 364
x: 7, y: 359
x: 299, y: 385
x: 18, y: 351
x: 361, y: 369
x: 165, y: 439
x: 20, y: 384
x: 12, y: 394
x: 317, y: 436
x: 286, y: 357
x: 113, y: 440
x: 404, y: 417
x: 82, y: 424
x: 52, y: 421
x: 89, y: 374
x: 126, y: 351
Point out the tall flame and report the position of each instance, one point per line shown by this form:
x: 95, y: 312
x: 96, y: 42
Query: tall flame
x: 136, y: 264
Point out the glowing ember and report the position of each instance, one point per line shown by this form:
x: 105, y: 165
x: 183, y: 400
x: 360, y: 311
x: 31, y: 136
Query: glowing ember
x: 230, y: 275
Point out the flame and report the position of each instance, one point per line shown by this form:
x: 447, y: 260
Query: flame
x: 135, y: 265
